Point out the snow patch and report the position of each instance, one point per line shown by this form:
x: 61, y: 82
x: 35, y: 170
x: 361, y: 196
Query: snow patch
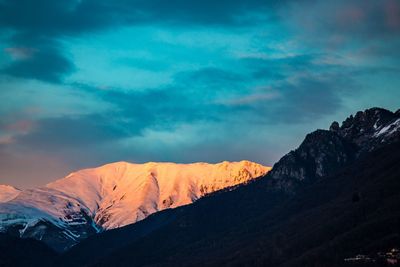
x: 389, y: 129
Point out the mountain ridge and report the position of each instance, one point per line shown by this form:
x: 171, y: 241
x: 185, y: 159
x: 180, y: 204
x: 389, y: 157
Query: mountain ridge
x: 91, y: 200
x: 324, y: 151
x: 344, y: 204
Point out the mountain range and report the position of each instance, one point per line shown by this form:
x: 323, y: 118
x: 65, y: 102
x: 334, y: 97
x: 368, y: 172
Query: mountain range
x: 114, y: 195
x: 335, y: 196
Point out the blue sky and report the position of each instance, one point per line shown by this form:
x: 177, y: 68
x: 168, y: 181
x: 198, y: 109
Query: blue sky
x: 84, y: 83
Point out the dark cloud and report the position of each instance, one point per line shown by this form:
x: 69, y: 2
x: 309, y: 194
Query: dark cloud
x: 143, y: 63
x: 42, y: 61
x: 309, y: 99
x: 132, y: 113
x: 189, y: 98
x: 163, y: 108
x: 73, y: 132
x: 192, y: 99
x: 208, y: 75
x: 346, y: 24
x: 48, y: 17
x: 209, y: 82
x: 35, y: 21
x: 280, y: 68
x: 51, y: 18
x: 302, y: 100
x: 338, y: 23
x: 196, y: 97
x: 222, y: 12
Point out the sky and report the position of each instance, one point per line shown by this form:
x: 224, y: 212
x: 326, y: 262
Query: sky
x: 87, y: 82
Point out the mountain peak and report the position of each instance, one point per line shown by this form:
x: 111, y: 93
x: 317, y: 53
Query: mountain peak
x: 116, y: 194
x: 369, y: 128
x: 368, y: 120
x: 323, y: 152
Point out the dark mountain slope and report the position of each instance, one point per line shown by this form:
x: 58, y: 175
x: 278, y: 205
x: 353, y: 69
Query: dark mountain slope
x: 324, y: 152
x: 357, y: 210
x: 321, y: 153
x: 338, y: 199
x: 24, y: 252
x: 180, y: 220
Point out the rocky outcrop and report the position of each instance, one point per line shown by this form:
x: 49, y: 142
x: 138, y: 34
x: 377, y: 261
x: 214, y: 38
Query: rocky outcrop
x: 323, y: 152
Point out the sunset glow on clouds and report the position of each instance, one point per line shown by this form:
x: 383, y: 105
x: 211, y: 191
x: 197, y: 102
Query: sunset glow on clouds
x: 88, y: 82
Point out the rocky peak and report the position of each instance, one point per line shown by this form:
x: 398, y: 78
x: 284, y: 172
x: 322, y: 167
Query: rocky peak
x: 358, y: 127
x: 335, y: 127
x: 319, y: 154
x: 324, y: 152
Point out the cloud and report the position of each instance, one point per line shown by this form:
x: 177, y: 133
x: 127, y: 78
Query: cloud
x: 305, y: 99
x: 280, y: 68
x: 39, y: 58
x: 37, y: 26
x: 221, y: 96
x: 340, y: 23
x: 142, y: 63
x: 70, y: 17
x: 46, y: 64
x: 131, y: 113
x: 71, y: 132
x: 253, y: 98
x: 161, y: 108
x: 207, y: 76
x: 19, y: 53
x: 344, y: 24
x: 309, y: 99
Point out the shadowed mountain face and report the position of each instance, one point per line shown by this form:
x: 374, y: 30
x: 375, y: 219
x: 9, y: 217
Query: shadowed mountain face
x: 355, y: 211
x: 20, y: 252
x: 335, y: 196
x: 323, y: 152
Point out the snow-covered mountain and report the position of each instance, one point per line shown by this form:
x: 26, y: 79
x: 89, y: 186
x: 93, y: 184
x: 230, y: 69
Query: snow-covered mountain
x: 91, y: 200
x: 8, y: 192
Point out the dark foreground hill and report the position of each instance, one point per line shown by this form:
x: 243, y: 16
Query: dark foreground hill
x: 24, y: 252
x: 333, y: 198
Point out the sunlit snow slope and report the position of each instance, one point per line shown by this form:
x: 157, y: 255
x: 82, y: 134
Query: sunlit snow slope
x: 7, y: 193
x: 115, y: 195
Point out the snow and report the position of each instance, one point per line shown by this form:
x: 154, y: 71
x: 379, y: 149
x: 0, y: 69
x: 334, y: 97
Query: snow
x: 389, y: 129
x: 122, y: 193
x: 7, y: 193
